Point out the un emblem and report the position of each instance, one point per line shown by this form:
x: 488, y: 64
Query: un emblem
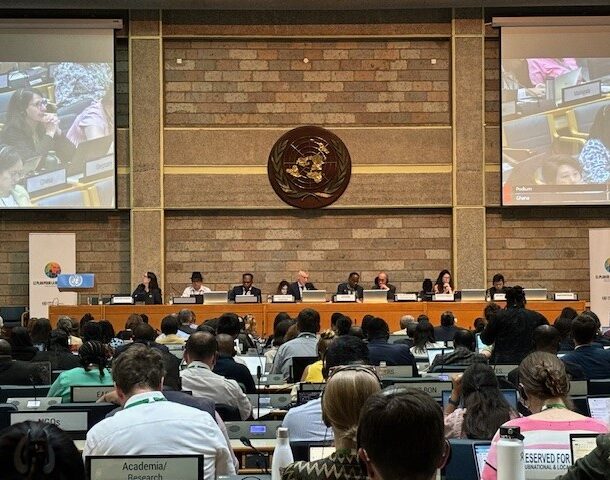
x: 75, y: 281
x: 309, y: 167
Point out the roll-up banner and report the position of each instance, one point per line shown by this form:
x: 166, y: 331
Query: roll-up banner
x: 599, y: 268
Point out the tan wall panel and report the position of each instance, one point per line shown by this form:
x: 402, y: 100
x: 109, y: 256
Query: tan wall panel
x: 492, y: 188
x: 470, y: 244
x: 144, y: 23
x: 123, y: 200
x: 492, y: 145
x: 147, y: 244
x: 252, y: 147
x: 468, y: 21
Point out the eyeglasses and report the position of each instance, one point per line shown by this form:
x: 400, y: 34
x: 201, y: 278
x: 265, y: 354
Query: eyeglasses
x: 42, y: 103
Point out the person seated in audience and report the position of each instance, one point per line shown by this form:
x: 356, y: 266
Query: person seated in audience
x: 17, y: 372
x: 484, y: 407
x: 313, y: 372
x: 427, y: 289
x: 382, y: 351
x: 590, y: 356
x: 595, y: 154
x: 304, y: 345
x: 351, y: 286
x: 593, y: 466
x: 149, y: 425
x: 21, y: 344
x: 91, y: 332
x: 366, y: 319
x: 185, y: 324
x: 94, y: 358
x: 479, y: 324
x: 95, y: 121
x: 305, y: 422
x: 405, y: 320
x: 169, y: 331
x: 544, y: 388
x: 246, y: 288
x: 233, y: 325
x: 301, y: 284
x: 382, y: 282
x: 343, y: 326
x: 86, y: 318
x: 346, y: 390
x: 66, y: 324
x: 108, y: 336
x: 497, y: 286
x: 278, y: 318
x: 401, y: 436
x: 599, y: 338
x: 564, y: 327
x: 148, y: 291
x: 444, y: 283
x: 39, y: 450
x: 39, y: 330
x: 228, y: 367
x: 333, y: 320
x: 200, y: 355
x: 411, y: 326
x: 196, y: 287
x: 511, y: 330
x: 279, y: 333
x: 58, y: 352
x: 283, y: 288
x: 561, y: 170
x: 446, y: 330
x: 423, y: 339
x: 356, y: 331
x: 463, y: 353
x: 132, y: 321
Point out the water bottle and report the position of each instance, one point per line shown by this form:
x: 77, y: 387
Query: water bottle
x: 510, y: 454
x: 282, y: 455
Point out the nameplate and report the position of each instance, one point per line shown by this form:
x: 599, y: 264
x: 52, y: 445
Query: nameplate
x: 101, y: 165
x: 581, y: 91
x: 46, y: 180
x: 282, y: 299
x: 76, y: 280
x: 503, y: 370
x: 398, y: 371
x: 345, y: 297
x: 89, y: 393
x: 122, y: 301
x: 499, y: 297
x: 248, y: 298
x: 565, y: 296
x: 134, y: 467
x: 67, y: 421
x: 434, y: 389
x: 444, y: 297
x: 271, y: 379
x: 185, y: 300
x: 405, y: 297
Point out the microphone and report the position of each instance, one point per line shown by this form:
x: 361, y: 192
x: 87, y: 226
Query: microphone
x: 246, y: 441
x: 33, y: 383
x: 259, y: 374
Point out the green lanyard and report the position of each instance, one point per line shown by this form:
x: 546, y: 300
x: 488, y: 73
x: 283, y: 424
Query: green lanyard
x: 549, y: 406
x: 146, y: 400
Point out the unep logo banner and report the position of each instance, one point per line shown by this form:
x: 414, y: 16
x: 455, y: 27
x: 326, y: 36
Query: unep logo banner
x: 599, y: 269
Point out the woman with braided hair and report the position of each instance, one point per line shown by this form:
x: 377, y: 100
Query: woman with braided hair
x: 544, y: 387
x: 94, y: 358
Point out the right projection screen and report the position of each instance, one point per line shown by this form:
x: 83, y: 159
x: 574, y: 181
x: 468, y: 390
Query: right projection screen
x: 555, y: 96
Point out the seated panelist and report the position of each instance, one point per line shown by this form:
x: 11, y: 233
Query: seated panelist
x: 382, y: 282
x: 197, y: 287
x: 245, y: 288
x: 351, y: 286
x: 301, y: 284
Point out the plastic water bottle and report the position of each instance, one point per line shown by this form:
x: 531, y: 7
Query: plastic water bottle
x: 510, y: 454
x: 282, y: 455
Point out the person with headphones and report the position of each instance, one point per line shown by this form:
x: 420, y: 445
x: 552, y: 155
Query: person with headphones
x: 11, y: 168
x: 347, y: 388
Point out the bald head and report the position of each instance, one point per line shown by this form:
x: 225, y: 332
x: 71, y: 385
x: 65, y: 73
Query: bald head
x: 226, y: 345
x: 5, y: 347
x: 547, y: 339
x: 405, y: 320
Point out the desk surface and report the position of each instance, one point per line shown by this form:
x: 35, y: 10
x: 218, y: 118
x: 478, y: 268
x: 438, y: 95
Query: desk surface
x: 264, y: 313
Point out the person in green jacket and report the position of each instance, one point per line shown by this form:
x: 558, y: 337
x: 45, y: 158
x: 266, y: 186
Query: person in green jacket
x: 594, y: 466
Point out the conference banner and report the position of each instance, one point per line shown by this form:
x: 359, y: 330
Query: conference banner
x: 50, y: 255
x: 599, y: 268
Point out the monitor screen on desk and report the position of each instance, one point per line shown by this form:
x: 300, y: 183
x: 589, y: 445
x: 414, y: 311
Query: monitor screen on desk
x: 555, y: 110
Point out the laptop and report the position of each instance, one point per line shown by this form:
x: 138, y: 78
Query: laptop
x: 480, y: 450
x: 318, y: 453
x: 473, y: 295
x: 253, y: 363
x: 510, y: 395
x: 581, y: 444
x: 374, y: 296
x: 313, y: 296
x: 535, y: 294
x: 215, y: 298
x: 599, y: 407
x: 433, y: 352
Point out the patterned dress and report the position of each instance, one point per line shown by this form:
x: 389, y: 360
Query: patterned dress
x: 338, y: 466
x: 595, y: 161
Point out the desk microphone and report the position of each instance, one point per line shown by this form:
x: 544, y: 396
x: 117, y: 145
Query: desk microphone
x: 246, y: 441
x: 259, y: 374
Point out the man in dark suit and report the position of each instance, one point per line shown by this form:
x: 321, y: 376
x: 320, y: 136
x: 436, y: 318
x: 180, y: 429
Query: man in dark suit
x: 382, y: 282
x: 591, y: 356
x: 301, y: 284
x: 447, y: 329
x: 17, y: 372
x: 245, y: 288
x: 228, y: 367
x: 351, y: 286
x: 380, y: 350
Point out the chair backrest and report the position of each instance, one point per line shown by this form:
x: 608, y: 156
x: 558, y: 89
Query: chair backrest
x: 299, y: 364
x: 531, y: 133
x: 462, y: 464
x: 448, y: 368
x: 72, y: 198
x: 580, y: 119
x: 228, y: 413
x: 12, y: 314
x: 18, y: 391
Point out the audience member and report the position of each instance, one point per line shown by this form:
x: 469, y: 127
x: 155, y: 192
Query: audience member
x: 463, y: 352
x: 446, y: 331
x: 484, y: 407
x: 356, y: 331
x: 590, y: 356
x: 58, y: 353
x: 228, y: 367
x: 86, y: 318
x: 232, y: 324
x: 544, y: 389
x: 479, y: 324
x: 17, y: 372
x: 599, y: 338
x: 91, y: 332
x: 40, y: 329
x: 347, y: 389
x: 21, y: 344
x: 344, y: 325
x: 185, y: 320
x: 305, y: 421
x: 132, y: 322
x: 366, y: 319
x: 400, y: 436
x: 423, y: 340
x: 38, y: 450
x: 279, y: 332
x: 94, y: 359
x: 568, y: 312
x: 108, y: 336
x: 564, y: 327
x: 66, y: 324
x: 313, y: 372
x: 169, y: 331
x: 304, y: 345
x: 405, y: 320
x: 511, y: 330
x: 149, y: 425
x: 200, y: 354
x: 382, y: 351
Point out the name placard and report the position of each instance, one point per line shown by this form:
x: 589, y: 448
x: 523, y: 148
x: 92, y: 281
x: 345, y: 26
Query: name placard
x: 46, y: 180
x: 582, y: 91
x: 145, y: 467
x: 67, y: 421
x: 434, y: 389
x: 499, y: 297
x: 405, y: 297
x: 565, y: 296
x: 89, y: 393
x: 398, y: 371
x: 282, y: 299
x: 578, y: 388
x: 503, y: 370
x: 345, y: 297
x: 444, y: 297
x: 101, y: 165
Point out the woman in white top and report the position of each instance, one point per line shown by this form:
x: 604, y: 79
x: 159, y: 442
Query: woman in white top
x: 423, y: 339
x: 11, y: 167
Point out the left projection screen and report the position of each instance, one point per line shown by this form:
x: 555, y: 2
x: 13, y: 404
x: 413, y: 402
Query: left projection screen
x: 57, y: 118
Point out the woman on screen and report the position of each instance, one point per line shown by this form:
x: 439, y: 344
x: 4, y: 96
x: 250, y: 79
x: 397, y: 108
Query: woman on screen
x: 148, y: 291
x: 595, y: 156
x: 561, y: 170
x: 31, y: 129
x: 11, y: 166
x: 95, y: 121
x: 540, y: 69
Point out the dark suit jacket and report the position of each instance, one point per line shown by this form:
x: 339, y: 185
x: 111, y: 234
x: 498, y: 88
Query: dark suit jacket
x: 594, y: 360
x: 393, y: 354
x: 391, y: 291
x: 444, y: 334
x: 229, y: 368
x: 293, y: 289
x: 344, y: 288
x: 60, y: 359
x: 239, y: 290
x: 152, y: 297
x: 17, y: 372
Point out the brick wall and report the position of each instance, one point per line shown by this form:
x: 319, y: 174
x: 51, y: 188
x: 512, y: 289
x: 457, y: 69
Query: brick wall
x: 102, y: 247
x: 274, y: 246
x: 543, y: 247
x: 252, y: 83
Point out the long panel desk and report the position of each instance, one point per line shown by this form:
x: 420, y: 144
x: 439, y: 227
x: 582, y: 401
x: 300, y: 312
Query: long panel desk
x: 264, y: 313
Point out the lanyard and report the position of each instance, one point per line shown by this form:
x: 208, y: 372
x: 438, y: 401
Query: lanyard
x: 548, y: 406
x: 146, y: 400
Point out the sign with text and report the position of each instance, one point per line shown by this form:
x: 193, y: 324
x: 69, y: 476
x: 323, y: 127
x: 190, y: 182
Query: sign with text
x: 88, y: 393
x: 67, y: 421
x: 599, y: 270
x: 434, y: 389
x: 149, y: 467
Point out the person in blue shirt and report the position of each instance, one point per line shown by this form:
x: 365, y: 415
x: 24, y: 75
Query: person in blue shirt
x: 591, y: 356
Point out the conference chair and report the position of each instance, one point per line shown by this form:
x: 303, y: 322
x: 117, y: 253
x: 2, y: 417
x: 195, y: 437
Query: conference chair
x: 73, y: 197
x: 228, y: 413
x: 102, y: 193
x: 580, y: 118
x: 13, y: 316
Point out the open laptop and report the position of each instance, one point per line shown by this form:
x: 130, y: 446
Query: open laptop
x: 480, y: 451
x: 253, y: 363
x: 581, y: 444
x: 313, y: 296
x: 599, y: 407
x: 374, y: 296
x: 535, y: 294
x: 566, y: 80
x: 433, y: 352
x: 510, y: 395
x: 473, y: 295
x: 215, y: 298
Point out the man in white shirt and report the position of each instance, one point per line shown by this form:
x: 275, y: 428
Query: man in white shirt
x: 200, y: 354
x: 197, y: 287
x: 150, y: 425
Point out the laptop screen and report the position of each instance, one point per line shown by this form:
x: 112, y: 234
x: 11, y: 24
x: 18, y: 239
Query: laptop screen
x: 509, y: 395
x: 318, y: 453
x: 480, y: 344
x: 581, y: 444
x: 433, y: 352
x: 253, y: 363
x: 599, y: 408
x: 480, y: 456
